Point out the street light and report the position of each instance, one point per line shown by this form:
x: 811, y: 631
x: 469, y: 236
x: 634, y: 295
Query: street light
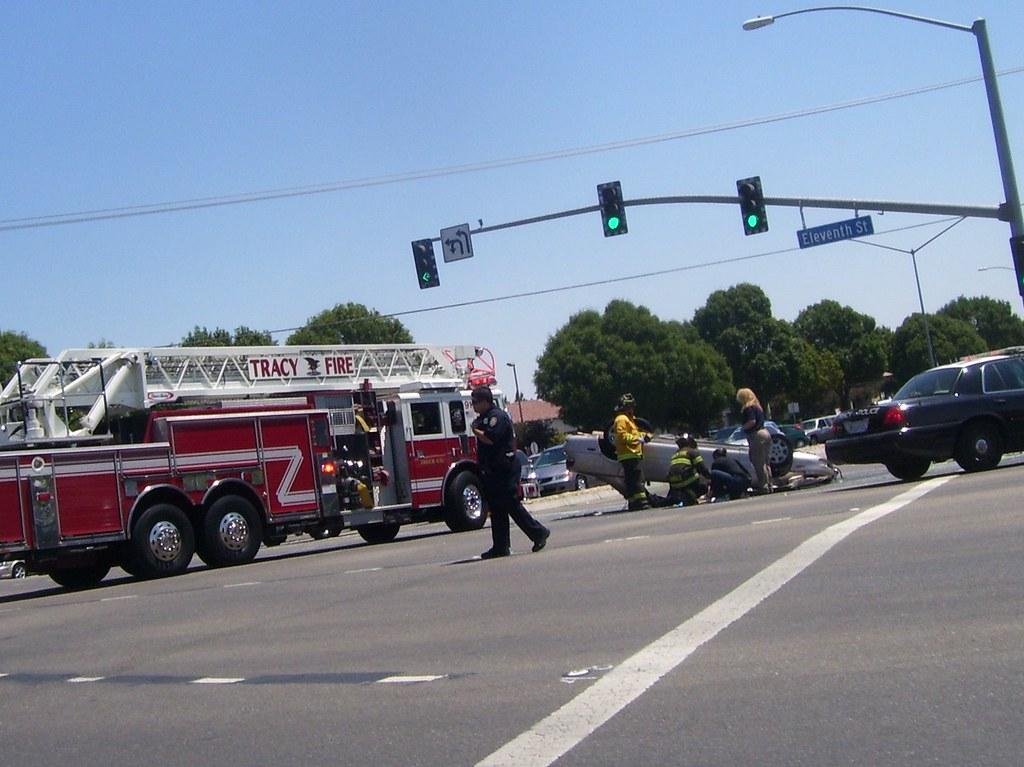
x: 519, y: 399
x: 1011, y: 208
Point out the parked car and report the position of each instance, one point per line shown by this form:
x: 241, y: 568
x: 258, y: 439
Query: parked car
x: 971, y: 411
x: 13, y: 568
x: 818, y: 430
x: 797, y: 436
x: 550, y: 473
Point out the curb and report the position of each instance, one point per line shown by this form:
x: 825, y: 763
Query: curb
x: 573, y: 498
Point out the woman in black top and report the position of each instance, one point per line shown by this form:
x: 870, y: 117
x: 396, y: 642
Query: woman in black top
x: 759, y: 440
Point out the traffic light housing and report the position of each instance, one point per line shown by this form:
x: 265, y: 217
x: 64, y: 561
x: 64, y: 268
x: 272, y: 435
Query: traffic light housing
x: 426, y: 264
x: 755, y: 218
x: 1017, y: 250
x: 613, y: 210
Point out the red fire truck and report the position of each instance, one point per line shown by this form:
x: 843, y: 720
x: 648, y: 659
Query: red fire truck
x: 141, y: 458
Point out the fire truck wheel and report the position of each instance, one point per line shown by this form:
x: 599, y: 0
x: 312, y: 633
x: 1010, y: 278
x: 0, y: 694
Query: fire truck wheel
x: 162, y: 542
x: 464, y: 504
x: 84, y: 577
x: 232, y: 532
x: 383, y: 532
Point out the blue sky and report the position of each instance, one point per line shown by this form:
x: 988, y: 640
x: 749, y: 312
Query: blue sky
x: 112, y: 105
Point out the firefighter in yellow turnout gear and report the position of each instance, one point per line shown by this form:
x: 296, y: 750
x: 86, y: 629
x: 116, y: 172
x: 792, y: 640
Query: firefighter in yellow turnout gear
x: 688, y: 477
x: 629, y: 451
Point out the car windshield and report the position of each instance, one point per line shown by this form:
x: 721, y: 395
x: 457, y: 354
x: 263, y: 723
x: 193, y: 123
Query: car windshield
x: 549, y: 457
x: 929, y: 384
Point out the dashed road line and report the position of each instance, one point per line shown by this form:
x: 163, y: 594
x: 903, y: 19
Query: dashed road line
x: 364, y: 570
x: 120, y: 598
x: 630, y: 538
x: 410, y: 679
x: 335, y: 678
x: 770, y: 521
x: 240, y: 585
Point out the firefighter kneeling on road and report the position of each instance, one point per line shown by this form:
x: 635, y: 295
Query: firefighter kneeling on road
x: 688, y: 477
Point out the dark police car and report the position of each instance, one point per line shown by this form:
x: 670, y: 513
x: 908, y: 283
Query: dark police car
x: 971, y: 411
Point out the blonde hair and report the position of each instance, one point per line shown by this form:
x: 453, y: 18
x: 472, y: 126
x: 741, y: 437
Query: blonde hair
x: 746, y: 398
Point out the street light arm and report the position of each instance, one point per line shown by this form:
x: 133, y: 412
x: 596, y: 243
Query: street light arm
x: 764, y: 21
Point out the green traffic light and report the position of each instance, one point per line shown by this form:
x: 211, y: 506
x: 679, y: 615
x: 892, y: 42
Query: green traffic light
x: 752, y: 220
x: 613, y: 222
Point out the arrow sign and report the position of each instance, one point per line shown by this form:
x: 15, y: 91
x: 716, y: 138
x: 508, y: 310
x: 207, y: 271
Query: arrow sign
x: 455, y: 243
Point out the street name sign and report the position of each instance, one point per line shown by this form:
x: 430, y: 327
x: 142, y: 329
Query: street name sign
x: 835, y: 232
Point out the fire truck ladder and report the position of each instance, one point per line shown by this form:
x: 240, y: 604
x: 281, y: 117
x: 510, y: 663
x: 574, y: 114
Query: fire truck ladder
x: 69, y: 395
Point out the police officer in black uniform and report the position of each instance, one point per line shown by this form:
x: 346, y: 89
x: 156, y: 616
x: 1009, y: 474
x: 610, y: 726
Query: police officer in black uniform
x: 496, y: 450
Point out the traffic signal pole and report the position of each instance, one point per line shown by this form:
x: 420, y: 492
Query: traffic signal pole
x: 882, y: 206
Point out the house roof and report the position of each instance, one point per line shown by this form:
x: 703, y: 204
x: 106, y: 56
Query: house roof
x: 533, y: 410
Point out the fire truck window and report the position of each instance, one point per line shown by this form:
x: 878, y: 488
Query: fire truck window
x: 458, y: 416
x: 426, y: 417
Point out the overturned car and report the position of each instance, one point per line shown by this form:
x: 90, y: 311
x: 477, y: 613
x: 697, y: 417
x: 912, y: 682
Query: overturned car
x: 591, y: 454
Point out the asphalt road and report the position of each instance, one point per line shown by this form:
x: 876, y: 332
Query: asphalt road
x: 865, y: 622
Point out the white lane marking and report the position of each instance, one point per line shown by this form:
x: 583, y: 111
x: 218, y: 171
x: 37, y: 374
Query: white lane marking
x: 117, y: 599
x: 565, y: 728
x: 769, y: 521
x: 410, y: 679
x: 81, y: 679
x: 238, y: 585
x: 630, y: 538
x: 218, y: 680
x: 2, y: 675
x: 364, y: 570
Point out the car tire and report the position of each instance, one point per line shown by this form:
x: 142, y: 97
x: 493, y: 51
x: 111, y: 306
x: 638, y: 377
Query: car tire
x: 980, y: 446
x: 18, y: 570
x: 780, y: 455
x: 382, y: 532
x: 908, y: 469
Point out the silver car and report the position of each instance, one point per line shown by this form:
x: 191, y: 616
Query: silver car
x: 13, y: 568
x: 550, y: 473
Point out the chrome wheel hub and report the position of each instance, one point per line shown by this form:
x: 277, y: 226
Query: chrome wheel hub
x: 472, y: 502
x: 165, y: 541
x: 234, y: 531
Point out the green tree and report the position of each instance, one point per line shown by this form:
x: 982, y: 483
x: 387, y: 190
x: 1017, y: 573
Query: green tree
x: 860, y: 348
x: 763, y: 353
x: 350, y: 323
x: 15, y: 347
x: 678, y: 380
x: 243, y: 336
x: 994, y: 320
x: 951, y: 339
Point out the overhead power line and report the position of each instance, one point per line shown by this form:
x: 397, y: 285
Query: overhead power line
x: 60, y: 219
